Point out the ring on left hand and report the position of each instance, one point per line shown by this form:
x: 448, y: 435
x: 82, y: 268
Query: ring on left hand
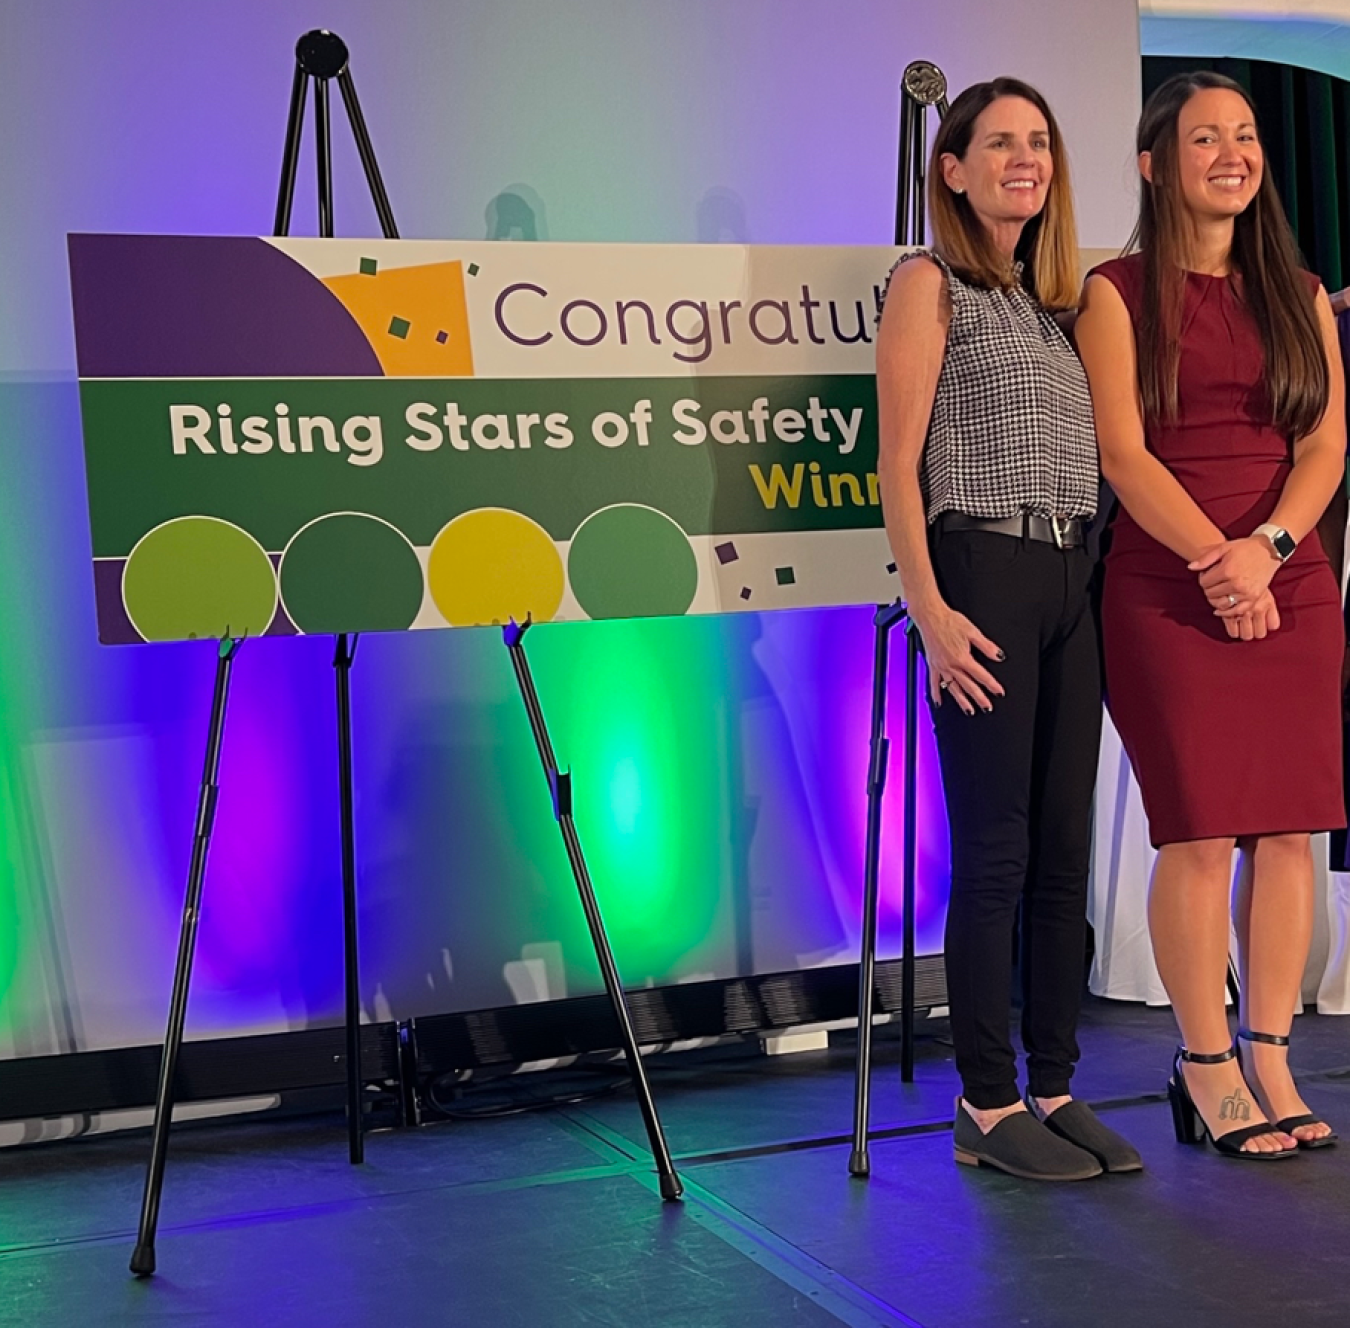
x: 1232, y: 600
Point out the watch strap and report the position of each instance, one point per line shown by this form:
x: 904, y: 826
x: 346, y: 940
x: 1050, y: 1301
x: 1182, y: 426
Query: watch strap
x: 1280, y: 539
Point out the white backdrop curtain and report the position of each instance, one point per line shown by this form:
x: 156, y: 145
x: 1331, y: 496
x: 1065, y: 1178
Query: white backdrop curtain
x: 1122, y: 861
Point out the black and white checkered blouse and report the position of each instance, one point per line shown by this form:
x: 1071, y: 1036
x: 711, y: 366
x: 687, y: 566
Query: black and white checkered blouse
x: 1011, y: 427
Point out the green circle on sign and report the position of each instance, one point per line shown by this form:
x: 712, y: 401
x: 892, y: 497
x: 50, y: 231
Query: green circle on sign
x: 630, y: 561
x: 349, y: 572
x: 198, y: 576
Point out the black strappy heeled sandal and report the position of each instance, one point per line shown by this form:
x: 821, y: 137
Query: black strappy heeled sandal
x: 1190, y: 1126
x: 1290, y: 1123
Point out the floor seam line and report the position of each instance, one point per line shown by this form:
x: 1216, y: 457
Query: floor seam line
x: 824, y: 1286
x: 601, y: 1171
x: 848, y: 1302
x: 592, y: 1131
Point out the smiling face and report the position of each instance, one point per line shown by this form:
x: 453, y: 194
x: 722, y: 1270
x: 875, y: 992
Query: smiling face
x: 1219, y: 156
x: 1007, y: 169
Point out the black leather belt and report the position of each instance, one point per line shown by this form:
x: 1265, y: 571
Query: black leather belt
x: 1064, y: 532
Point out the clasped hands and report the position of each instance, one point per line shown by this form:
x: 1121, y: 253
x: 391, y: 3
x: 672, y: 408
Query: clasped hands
x: 1235, y: 578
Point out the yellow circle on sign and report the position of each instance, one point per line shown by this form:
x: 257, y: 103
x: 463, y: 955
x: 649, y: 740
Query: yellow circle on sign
x: 492, y: 565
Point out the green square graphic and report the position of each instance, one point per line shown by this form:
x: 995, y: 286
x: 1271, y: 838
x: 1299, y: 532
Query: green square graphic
x: 369, y: 267
x: 473, y: 269
x: 785, y: 576
x: 398, y: 327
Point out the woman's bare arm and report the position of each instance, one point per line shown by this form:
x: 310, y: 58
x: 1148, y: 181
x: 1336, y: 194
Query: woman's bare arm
x: 911, y: 345
x: 1150, y: 492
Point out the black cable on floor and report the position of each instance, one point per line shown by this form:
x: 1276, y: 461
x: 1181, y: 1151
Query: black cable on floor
x: 514, y: 1095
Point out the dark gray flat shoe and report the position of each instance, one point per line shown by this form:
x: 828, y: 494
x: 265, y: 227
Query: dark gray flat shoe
x: 1076, y: 1122
x: 1020, y: 1145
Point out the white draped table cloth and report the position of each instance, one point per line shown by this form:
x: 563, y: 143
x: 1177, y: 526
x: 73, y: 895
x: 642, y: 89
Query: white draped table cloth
x: 1122, y: 861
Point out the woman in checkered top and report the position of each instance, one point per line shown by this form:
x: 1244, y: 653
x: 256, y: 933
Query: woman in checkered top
x: 988, y: 472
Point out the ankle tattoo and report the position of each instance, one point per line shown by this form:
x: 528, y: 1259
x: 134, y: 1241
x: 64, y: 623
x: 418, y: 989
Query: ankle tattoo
x: 1235, y: 1107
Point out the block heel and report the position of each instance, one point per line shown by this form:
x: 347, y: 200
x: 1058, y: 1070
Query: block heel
x: 1186, y: 1122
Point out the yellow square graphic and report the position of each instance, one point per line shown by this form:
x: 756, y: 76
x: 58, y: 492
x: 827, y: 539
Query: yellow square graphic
x: 415, y: 318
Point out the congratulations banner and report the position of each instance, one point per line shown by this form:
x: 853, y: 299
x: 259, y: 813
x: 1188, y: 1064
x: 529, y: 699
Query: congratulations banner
x: 296, y: 436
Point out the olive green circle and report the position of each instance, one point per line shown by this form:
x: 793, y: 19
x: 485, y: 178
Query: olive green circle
x: 632, y: 562
x: 198, y: 576
x: 351, y: 573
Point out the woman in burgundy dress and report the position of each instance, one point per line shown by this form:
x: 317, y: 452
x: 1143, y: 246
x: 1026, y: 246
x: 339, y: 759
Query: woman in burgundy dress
x: 1219, y: 402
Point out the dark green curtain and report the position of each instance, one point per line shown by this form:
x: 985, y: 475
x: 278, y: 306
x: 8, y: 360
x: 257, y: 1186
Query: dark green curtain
x: 1305, y: 126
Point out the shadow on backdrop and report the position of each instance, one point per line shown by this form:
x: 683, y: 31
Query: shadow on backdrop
x: 517, y: 213
x: 720, y: 218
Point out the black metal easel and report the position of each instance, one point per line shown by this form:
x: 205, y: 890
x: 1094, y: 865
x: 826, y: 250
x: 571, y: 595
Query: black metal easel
x: 922, y: 86
x: 560, y: 788
x: 321, y: 56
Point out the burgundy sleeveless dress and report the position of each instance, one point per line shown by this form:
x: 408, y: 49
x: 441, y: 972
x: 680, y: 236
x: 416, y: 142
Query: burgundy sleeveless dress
x: 1227, y: 738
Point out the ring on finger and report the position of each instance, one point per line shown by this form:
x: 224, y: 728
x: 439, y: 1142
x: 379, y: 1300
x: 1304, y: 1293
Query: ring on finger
x: 1232, y: 601
x: 944, y: 683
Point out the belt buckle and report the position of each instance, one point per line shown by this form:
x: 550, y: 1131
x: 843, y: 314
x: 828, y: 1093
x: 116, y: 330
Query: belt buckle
x: 1059, y: 528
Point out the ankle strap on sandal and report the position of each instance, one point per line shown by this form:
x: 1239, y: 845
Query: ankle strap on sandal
x: 1273, y: 1039
x: 1200, y: 1058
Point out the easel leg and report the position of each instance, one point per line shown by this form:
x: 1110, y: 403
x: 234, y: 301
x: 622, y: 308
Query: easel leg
x: 913, y: 681
x: 918, y: 127
x: 904, y: 172
x: 561, y: 787
x: 365, y: 149
x: 290, y: 154
x: 323, y: 155
x: 143, y: 1258
x: 342, y: 665
x: 859, y: 1163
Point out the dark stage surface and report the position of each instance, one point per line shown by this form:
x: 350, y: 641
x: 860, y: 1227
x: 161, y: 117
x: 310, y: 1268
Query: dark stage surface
x: 552, y: 1218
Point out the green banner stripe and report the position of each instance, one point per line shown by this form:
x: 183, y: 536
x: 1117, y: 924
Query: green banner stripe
x: 720, y: 455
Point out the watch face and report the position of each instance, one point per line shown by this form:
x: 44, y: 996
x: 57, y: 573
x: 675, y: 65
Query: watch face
x: 1284, y: 543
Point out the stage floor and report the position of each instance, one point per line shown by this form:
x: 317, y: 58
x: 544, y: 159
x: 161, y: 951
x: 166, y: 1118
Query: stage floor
x: 552, y: 1218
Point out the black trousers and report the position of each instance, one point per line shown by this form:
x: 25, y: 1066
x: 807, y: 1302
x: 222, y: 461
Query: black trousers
x: 1019, y: 784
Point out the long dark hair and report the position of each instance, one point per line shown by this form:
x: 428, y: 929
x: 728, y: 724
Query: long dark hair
x: 1264, y: 262
x: 1048, y: 245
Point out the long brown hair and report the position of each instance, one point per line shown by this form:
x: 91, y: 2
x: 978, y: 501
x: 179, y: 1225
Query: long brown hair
x: 1048, y: 245
x: 1264, y: 262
